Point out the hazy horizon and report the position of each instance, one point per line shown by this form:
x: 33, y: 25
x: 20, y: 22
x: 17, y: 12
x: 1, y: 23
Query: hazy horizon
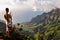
x: 25, y: 10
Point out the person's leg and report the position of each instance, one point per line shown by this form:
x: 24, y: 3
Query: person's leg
x: 7, y: 31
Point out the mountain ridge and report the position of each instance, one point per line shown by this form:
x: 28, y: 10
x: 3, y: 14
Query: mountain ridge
x: 47, y: 16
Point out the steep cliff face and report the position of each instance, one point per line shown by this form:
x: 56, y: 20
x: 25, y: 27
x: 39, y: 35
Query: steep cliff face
x: 47, y: 21
x: 47, y: 18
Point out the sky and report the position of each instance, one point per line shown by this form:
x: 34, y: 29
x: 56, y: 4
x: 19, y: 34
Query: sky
x: 25, y: 10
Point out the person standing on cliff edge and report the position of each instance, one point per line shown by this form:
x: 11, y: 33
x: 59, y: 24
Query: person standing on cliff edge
x: 8, y: 19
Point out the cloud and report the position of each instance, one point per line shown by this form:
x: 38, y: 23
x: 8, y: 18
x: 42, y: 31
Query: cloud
x: 43, y: 5
x: 38, y: 5
x: 57, y: 4
x: 35, y: 5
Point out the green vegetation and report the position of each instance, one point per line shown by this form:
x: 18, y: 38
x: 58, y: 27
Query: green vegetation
x: 42, y: 27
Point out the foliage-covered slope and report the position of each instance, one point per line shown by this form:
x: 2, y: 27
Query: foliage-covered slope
x: 45, y: 26
x: 48, y: 24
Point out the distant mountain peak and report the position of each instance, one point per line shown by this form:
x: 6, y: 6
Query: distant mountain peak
x: 45, y: 17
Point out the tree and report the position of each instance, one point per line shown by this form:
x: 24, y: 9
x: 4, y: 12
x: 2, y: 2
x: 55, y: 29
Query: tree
x: 37, y: 35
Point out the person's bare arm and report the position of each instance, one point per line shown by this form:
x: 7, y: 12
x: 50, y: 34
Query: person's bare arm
x: 4, y: 16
